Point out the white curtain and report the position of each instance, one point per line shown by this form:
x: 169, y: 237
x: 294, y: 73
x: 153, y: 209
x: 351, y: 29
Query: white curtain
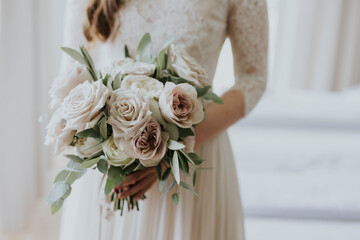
x: 316, y: 44
x: 31, y: 33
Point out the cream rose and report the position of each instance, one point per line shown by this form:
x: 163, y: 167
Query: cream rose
x: 116, y: 156
x: 128, y: 112
x: 55, y: 133
x: 66, y: 81
x: 148, y: 145
x: 186, y: 66
x: 179, y: 105
x: 129, y: 66
x: 148, y: 86
x: 87, y: 147
x: 82, y: 107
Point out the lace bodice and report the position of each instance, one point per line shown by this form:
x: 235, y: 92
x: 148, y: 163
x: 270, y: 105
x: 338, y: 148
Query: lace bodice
x: 199, y: 26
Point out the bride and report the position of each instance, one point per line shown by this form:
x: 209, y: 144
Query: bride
x: 199, y: 26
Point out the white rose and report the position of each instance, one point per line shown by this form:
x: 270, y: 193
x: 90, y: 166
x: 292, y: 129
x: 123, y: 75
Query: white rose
x: 146, y: 85
x: 179, y: 105
x: 87, y: 147
x: 128, y: 111
x: 82, y: 107
x: 129, y: 66
x: 186, y: 66
x: 74, y: 75
x: 116, y: 156
x: 55, y: 133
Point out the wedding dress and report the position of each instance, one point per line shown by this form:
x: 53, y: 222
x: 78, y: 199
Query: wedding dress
x: 199, y: 26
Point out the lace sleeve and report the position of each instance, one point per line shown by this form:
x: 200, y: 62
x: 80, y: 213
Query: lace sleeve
x: 248, y: 33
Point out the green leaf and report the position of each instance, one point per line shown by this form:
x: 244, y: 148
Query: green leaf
x: 156, y: 113
x: 111, y: 183
x: 184, y: 163
x: 161, y: 59
x: 139, y: 167
x: 175, y: 167
x: 185, y: 132
x: 172, y: 183
x: 75, y: 55
x: 117, y: 81
x: 89, y: 163
x: 195, y: 158
x: 129, y: 169
x: 102, y: 165
x: 186, y: 186
x: 158, y: 171
x: 74, y: 158
x: 175, y: 198
x: 174, y: 145
x: 89, y: 133
x: 164, y: 178
x: 57, y: 191
x: 55, y: 206
x: 143, y: 50
x: 126, y: 49
x: 173, y: 131
x: 114, y: 172
x: 202, y: 91
x: 103, y: 128
x: 192, y: 157
x: 72, y: 172
x: 106, y: 79
x: 213, y: 97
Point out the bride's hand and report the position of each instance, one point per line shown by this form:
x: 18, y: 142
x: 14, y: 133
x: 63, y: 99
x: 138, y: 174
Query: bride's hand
x: 137, y: 183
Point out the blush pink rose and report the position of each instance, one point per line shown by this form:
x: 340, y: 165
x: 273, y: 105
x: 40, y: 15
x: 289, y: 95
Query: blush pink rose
x: 179, y: 105
x: 148, y: 145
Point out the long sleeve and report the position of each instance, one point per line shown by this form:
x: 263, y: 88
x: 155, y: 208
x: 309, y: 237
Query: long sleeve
x: 248, y: 32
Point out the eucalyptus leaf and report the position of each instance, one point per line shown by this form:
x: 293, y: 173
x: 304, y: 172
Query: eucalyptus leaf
x: 71, y: 173
x: 138, y: 167
x: 161, y: 59
x: 202, y: 91
x: 102, y: 165
x: 143, y: 53
x: 55, y: 206
x: 174, y: 145
x: 175, y: 198
x: 175, y: 167
x: 74, y: 158
x: 213, y: 97
x: 114, y: 172
x: 57, y: 191
x: 75, y: 55
x: 89, y: 163
x: 173, y: 131
x: 186, y: 186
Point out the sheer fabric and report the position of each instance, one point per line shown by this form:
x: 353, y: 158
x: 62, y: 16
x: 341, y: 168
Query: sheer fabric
x: 199, y: 26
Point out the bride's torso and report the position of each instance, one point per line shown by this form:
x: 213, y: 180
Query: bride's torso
x: 199, y: 26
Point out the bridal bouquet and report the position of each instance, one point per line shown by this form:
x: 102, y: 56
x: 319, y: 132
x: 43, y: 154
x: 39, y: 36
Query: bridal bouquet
x: 137, y: 113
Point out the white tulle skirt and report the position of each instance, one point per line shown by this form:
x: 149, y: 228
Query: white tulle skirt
x: 215, y: 215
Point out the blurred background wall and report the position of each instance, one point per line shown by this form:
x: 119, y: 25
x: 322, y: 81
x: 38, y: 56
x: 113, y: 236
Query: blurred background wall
x: 297, y: 153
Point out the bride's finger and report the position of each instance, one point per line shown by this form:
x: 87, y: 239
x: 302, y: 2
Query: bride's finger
x: 137, y: 187
x: 142, y: 192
